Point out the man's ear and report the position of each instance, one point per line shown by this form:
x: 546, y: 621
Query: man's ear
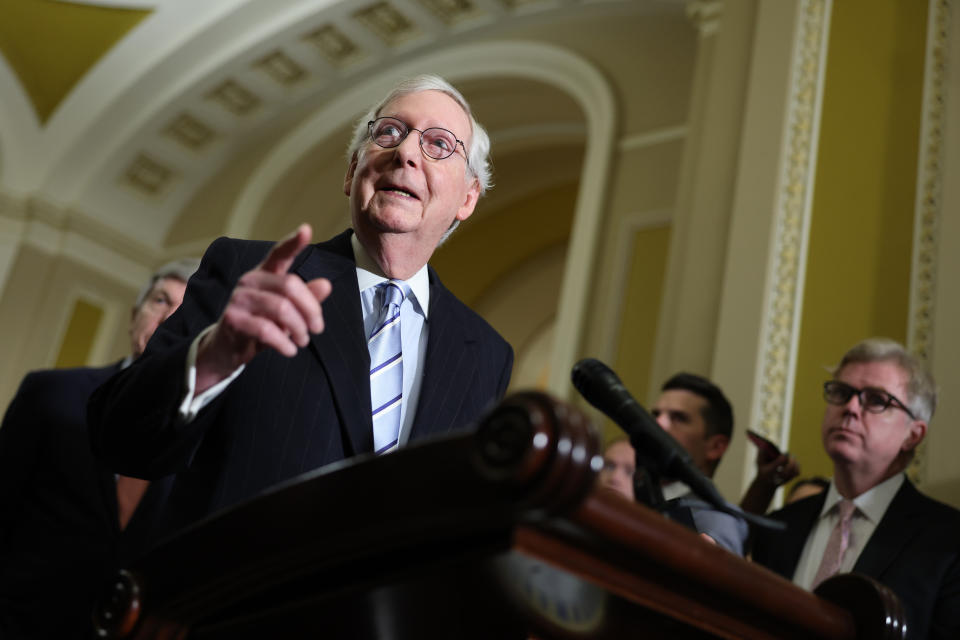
x: 917, y: 432
x: 348, y: 179
x: 469, y: 201
x: 716, y: 446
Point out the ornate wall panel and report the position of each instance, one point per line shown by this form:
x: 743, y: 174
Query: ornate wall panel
x: 930, y: 169
x: 784, y: 295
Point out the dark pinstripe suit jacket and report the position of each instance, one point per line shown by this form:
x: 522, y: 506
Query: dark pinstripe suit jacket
x: 282, y: 416
x: 915, y: 550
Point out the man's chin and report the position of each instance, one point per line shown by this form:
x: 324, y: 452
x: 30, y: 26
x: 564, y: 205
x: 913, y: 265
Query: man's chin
x: 841, y: 452
x: 393, y: 221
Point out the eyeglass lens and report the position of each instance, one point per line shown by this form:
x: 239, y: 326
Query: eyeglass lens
x: 873, y: 400
x: 436, y: 142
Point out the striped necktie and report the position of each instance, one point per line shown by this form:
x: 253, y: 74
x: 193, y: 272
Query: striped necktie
x: 386, y: 366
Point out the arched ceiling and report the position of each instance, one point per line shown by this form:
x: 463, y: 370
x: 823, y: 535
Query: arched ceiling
x: 144, y: 116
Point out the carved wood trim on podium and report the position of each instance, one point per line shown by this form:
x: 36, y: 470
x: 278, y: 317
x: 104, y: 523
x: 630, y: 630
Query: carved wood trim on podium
x: 497, y: 534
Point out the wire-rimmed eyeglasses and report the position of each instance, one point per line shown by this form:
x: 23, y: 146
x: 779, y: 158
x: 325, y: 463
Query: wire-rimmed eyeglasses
x: 435, y: 142
x: 872, y: 400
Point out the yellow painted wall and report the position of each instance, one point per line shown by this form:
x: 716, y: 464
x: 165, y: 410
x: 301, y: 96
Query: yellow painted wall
x: 641, y: 310
x: 470, y: 263
x: 858, y: 269
x: 51, y: 45
x: 80, y: 334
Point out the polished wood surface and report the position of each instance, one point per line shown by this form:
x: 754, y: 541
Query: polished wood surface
x: 497, y: 534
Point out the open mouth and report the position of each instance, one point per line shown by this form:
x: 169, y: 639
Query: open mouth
x: 400, y: 191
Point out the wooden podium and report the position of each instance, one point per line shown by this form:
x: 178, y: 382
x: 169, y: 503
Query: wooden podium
x: 494, y: 535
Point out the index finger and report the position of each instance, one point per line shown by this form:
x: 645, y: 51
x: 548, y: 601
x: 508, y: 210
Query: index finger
x: 282, y: 254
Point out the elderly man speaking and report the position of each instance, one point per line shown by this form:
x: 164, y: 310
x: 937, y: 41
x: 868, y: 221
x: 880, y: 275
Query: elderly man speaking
x: 288, y: 357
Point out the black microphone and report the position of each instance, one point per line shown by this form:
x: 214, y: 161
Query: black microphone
x: 601, y: 387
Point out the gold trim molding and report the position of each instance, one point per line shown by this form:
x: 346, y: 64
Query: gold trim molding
x: 781, y: 325
x: 927, y: 211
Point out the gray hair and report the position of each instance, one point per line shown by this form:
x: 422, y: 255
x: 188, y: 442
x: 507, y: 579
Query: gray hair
x: 180, y: 269
x: 921, y: 387
x: 478, y: 154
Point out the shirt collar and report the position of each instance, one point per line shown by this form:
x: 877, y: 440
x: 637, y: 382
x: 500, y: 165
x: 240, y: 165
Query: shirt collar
x: 369, y: 275
x: 674, y: 490
x: 872, y: 503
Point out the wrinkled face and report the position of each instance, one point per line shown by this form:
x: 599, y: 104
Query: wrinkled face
x: 680, y: 413
x: 865, y: 441
x: 619, y: 465
x: 162, y: 300
x: 401, y: 190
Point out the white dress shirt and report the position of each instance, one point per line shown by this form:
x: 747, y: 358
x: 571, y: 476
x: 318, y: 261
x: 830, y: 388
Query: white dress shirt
x: 870, y: 507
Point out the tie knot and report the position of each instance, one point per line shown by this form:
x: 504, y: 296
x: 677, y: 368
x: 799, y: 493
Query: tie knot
x: 845, y: 509
x: 394, y: 292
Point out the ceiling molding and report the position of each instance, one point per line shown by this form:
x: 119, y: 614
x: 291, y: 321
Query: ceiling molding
x: 536, y: 61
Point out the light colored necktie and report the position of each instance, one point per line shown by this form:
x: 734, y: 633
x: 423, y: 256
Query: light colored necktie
x: 386, y: 366
x: 837, y: 544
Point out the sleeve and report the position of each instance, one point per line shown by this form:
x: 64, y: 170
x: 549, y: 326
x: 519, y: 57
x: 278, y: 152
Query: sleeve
x: 728, y: 531
x: 134, y: 418
x: 505, y: 372
x: 945, y: 623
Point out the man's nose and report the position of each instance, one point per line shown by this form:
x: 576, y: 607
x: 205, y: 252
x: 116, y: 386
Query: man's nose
x: 664, y: 421
x: 853, y: 403
x: 408, y: 151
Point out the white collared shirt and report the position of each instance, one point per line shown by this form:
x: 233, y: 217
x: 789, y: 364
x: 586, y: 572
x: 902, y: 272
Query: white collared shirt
x: 413, y: 332
x: 870, y: 507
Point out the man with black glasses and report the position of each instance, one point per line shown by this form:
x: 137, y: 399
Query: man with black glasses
x: 252, y: 383
x: 871, y: 520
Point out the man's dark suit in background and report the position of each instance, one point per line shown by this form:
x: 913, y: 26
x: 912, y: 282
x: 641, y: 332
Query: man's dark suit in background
x: 58, y: 507
x: 60, y: 536
x: 61, y: 514
x: 913, y: 551
x: 283, y: 416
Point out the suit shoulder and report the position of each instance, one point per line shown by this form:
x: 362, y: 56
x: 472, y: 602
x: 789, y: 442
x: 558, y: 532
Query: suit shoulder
x: 239, y: 254
x: 235, y: 250
x: 49, y: 381
x: 936, y: 511
x: 470, y: 319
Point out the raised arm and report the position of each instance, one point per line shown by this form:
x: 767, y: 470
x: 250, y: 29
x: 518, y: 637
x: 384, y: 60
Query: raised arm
x: 244, y: 295
x: 268, y: 308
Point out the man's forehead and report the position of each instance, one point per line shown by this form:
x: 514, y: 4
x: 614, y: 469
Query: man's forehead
x: 167, y: 281
x: 680, y: 400
x: 886, y: 374
x: 429, y: 105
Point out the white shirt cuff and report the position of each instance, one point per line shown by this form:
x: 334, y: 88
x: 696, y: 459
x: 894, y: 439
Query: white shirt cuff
x: 191, y: 405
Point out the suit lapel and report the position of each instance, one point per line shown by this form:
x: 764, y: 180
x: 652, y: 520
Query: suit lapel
x: 901, y: 522
x: 341, y: 348
x: 450, y: 366
x: 786, y: 549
